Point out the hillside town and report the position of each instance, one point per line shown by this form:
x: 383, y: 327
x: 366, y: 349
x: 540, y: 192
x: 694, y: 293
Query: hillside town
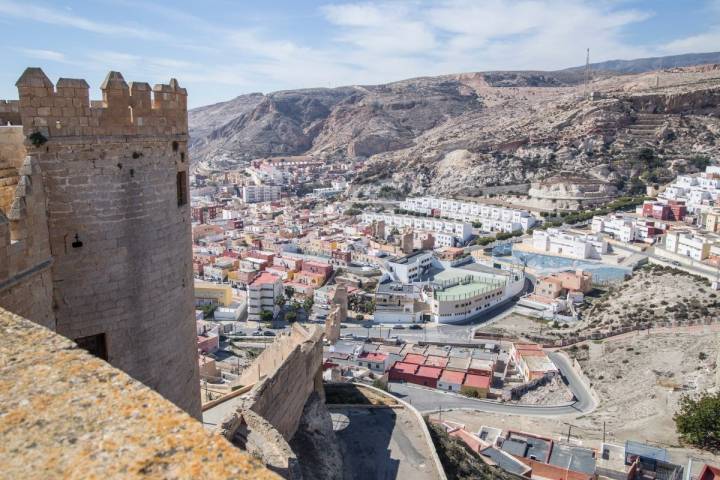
x: 414, y: 295
x: 353, y: 240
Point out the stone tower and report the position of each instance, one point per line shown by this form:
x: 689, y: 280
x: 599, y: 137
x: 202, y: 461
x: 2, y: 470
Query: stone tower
x: 113, y: 174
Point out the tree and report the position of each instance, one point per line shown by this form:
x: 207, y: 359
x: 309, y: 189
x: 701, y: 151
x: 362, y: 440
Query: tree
x: 359, y: 317
x: 308, y: 304
x: 266, y: 316
x: 289, y: 291
x: 280, y: 301
x: 698, y: 421
x: 291, y: 316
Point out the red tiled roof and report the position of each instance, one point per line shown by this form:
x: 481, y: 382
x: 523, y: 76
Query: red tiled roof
x: 265, y: 278
x: 404, y: 367
x: 477, y: 381
x: 450, y: 376
x: 429, y: 372
x: 372, y: 356
x: 415, y: 358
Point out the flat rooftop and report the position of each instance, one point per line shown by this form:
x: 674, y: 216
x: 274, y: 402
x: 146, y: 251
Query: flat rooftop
x: 412, y: 257
x: 467, y: 290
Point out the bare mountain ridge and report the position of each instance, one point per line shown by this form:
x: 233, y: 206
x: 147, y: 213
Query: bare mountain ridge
x: 456, y: 133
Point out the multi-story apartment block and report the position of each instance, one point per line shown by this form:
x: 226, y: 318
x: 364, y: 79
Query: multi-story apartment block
x: 627, y: 228
x: 458, y: 232
x: 261, y: 193
x: 663, y: 209
x: 411, y: 268
x: 398, y: 303
x: 697, y: 191
x: 689, y: 243
x: 262, y: 293
x: 574, y: 245
x: 492, y: 218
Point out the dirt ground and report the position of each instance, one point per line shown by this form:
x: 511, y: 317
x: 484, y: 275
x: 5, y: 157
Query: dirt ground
x: 653, y: 294
x: 639, y: 380
x: 515, y: 325
x: 555, y: 392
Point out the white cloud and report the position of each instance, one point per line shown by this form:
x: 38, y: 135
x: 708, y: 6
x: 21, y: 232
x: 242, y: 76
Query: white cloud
x: 40, y: 54
x: 54, y: 17
x: 704, y: 42
x: 358, y: 43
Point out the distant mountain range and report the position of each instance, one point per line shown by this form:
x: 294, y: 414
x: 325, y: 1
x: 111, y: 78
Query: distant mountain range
x: 640, y: 65
x: 412, y: 132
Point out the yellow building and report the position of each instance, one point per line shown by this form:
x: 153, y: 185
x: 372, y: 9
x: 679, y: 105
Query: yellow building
x: 212, y: 293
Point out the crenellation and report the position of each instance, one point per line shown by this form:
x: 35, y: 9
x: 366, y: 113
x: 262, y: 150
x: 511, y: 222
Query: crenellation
x: 9, y: 112
x: 65, y: 110
x: 94, y: 200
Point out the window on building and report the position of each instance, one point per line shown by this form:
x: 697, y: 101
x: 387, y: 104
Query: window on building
x: 182, y: 195
x: 94, y: 344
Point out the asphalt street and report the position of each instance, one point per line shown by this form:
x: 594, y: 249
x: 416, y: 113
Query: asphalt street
x: 429, y: 400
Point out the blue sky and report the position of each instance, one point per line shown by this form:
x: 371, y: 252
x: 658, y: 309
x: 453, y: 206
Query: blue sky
x: 219, y: 49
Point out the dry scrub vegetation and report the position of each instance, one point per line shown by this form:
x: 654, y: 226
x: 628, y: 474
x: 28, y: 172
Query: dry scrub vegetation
x: 653, y: 294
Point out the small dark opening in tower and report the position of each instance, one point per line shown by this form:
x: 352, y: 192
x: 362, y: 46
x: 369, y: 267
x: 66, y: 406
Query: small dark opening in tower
x: 94, y: 344
x: 181, y: 188
x: 182, y: 156
x: 175, y: 146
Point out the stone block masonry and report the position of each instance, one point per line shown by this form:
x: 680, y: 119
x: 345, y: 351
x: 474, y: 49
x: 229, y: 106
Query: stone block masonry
x: 112, y: 177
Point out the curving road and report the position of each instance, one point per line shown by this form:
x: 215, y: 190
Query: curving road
x: 428, y: 401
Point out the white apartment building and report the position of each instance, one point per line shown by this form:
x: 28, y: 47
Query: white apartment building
x: 262, y: 294
x: 398, y: 303
x: 698, y: 191
x: 689, y: 243
x: 619, y: 226
x: 266, y: 174
x: 627, y: 228
x: 461, y: 232
x: 411, y: 268
x: 261, y: 193
x: 492, y: 218
x: 560, y: 242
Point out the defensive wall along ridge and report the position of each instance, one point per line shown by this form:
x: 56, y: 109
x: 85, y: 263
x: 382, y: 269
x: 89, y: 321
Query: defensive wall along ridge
x: 284, y: 377
x: 95, y: 237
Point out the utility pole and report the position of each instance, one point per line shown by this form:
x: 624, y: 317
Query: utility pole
x: 603, y: 432
x: 568, y: 435
x: 587, y: 74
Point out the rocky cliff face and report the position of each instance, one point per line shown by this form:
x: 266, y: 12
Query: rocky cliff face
x: 459, y: 134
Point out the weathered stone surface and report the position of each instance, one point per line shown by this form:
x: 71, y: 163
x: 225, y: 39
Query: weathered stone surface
x: 99, y: 243
x: 67, y: 414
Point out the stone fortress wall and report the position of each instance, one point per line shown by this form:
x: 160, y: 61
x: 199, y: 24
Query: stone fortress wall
x: 95, y: 223
x: 25, y: 280
x: 284, y: 377
x: 9, y: 112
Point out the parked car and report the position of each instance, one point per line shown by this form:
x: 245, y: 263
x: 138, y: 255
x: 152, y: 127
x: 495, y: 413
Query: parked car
x: 257, y: 334
x: 398, y: 327
x: 416, y: 326
x: 268, y: 333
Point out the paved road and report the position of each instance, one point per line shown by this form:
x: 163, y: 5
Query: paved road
x: 427, y: 400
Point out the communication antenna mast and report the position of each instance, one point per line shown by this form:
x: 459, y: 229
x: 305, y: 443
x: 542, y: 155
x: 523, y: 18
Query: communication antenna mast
x: 587, y: 73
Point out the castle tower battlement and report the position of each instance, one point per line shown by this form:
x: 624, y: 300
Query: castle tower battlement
x: 9, y: 112
x: 66, y: 110
x: 95, y: 237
